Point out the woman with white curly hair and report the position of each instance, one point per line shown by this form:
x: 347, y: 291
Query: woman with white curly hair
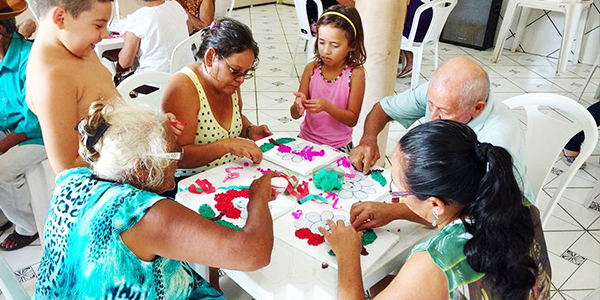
x: 110, y: 235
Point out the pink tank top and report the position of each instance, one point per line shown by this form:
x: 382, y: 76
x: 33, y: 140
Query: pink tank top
x: 321, y: 128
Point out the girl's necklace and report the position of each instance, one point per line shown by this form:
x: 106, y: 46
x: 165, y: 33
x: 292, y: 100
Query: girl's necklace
x: 333, y: 80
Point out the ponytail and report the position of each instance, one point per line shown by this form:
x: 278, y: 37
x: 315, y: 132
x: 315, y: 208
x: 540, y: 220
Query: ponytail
x: 444, y: 159
x: 502, y: 229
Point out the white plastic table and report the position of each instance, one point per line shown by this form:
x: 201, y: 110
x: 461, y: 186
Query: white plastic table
x: 293, y: 274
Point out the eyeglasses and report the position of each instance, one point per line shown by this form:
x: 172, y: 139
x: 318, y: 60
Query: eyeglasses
x: 237, y: 74
x: 170, y: 155
x: 397, y: 195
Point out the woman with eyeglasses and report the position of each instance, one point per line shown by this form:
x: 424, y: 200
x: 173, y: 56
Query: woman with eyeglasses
x: 489, y: 246
x: 206, y: 97
x: 110, y: 235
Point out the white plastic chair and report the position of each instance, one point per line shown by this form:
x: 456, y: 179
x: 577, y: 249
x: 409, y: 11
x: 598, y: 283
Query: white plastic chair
x: 32, y: 5
x: 589, y: 78
x: 9, y: 285
x: 305, y: 33
x: 574, y: 24
x: 41, y: 180
x: 441, y: 10
x: 153, y: 78
x: 183, y: 54
x: 547, y: 136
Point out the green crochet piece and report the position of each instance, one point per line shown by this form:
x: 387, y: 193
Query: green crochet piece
x: 206, y: 211
x: 378, y: 176
x: 328, y: 180
x: 268, y: 145
x: 369, y: 236
x: 228, y: 224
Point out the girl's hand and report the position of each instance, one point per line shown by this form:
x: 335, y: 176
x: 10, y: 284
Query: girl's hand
x: 316, y: 105
x: 344, y: 240
x: 258, y: 132
x: 300, y: 98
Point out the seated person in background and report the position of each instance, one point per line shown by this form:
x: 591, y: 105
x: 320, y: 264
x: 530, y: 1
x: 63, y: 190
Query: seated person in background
x: 571, y: 150
x: 151, y: 34
x: 490, y: 245
x: 313, y: 13
x: 109, y: 235
x: 458, y: 91
x: 64, y: 74
x: 421, y: 31
x: 206, y: 96
x: 200, y: 12
x: 27, y: 28
x: 21, y: 145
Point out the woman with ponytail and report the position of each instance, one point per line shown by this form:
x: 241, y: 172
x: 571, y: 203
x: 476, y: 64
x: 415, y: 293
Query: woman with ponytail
x: 490, y: 245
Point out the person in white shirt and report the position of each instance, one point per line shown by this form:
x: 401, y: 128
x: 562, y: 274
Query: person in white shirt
x: 151, y: 34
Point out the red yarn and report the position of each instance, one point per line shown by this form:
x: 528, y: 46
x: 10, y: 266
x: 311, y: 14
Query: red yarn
x: 313, y: 238
x: 225, y: 204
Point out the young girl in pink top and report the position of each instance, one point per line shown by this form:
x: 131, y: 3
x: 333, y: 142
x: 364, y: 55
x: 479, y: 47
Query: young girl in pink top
x: 332, y: 87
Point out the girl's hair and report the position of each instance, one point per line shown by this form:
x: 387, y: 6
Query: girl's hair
x: 114, y: 153
x: 443, y: 159
x: 227, y: 36
x: 358, y: 56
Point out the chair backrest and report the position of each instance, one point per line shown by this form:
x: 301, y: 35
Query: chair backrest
x: 547, y: 136
x: 302, y: 17
x: 9, y: 285
x: 223, y: 8
x: 32, y: 5
x: 154, y: 79
x: 183, y: 54
x: 441, y: 11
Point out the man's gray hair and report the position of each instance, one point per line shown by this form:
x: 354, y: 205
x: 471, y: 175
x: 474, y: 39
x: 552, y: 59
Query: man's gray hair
x: 474, y: 86
x: 135, y: 132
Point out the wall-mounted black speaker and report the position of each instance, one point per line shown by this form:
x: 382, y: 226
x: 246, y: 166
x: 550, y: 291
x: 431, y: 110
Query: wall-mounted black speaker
x: 472, y: 23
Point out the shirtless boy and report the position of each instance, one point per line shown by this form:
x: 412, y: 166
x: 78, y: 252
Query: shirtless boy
x: 64, y: 75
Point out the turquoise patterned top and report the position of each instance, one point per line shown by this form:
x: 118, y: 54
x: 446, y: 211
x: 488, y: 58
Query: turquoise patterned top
x: 84, y: 256
x: 446, y: 249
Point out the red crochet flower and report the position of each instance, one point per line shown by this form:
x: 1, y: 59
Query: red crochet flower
x: 313, y: 238
x: 224, y: 202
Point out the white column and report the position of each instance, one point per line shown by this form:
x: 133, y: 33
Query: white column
x: 383, y: 21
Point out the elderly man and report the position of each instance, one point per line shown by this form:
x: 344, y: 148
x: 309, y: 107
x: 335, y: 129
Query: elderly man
x: 458, y: 91
x: 21, y: 144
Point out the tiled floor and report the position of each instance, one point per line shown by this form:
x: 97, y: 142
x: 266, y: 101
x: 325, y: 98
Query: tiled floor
x: 573, y: 235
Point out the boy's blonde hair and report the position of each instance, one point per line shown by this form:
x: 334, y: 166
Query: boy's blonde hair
x: 74, y: 7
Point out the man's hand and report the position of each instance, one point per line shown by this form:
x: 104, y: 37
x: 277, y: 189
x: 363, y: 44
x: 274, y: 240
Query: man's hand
x: 367, y: 215
x: 11, y: 140
x: 365, y: 155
